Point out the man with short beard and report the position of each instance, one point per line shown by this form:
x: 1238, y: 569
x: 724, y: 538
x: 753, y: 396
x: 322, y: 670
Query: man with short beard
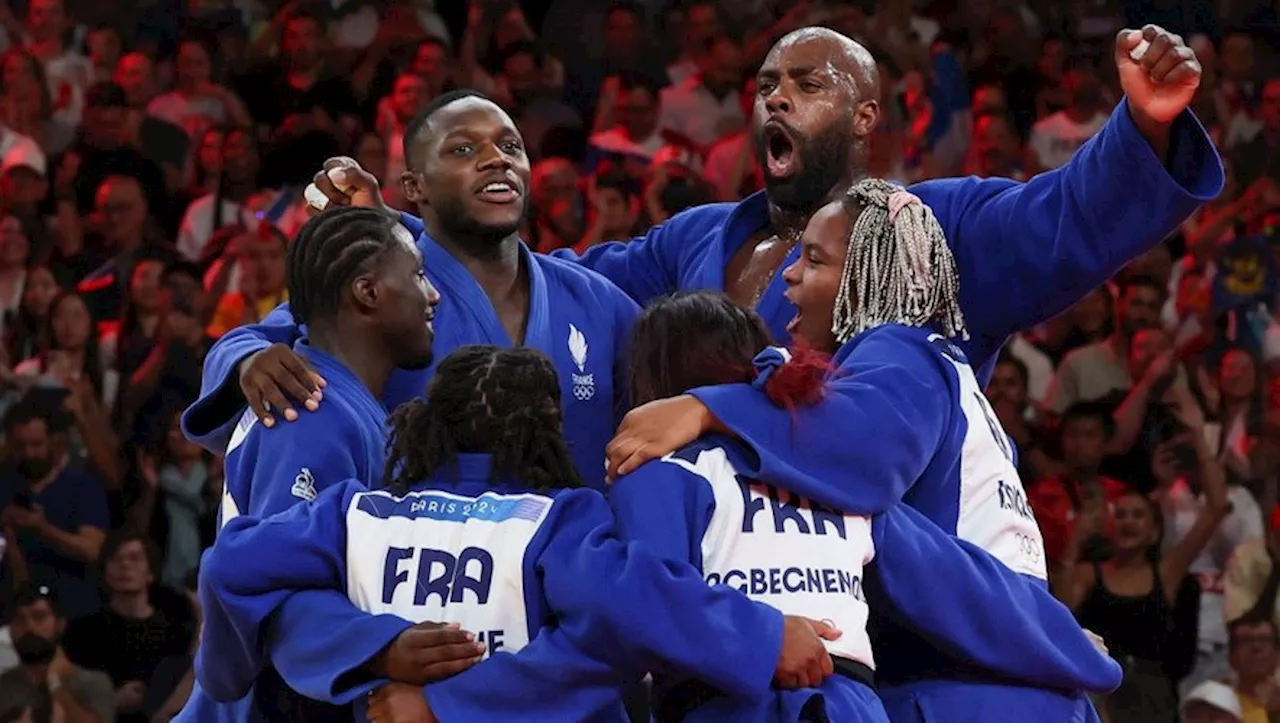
x: 58, y: 513
x: 84, y: 696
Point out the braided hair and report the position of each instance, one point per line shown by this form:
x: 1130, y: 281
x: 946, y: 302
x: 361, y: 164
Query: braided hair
x: 487, y: 400
x: 330, y: 250
x: 899, y: 268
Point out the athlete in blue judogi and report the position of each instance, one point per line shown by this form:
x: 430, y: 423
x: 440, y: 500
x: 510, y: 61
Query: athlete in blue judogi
x: 877, y: 281
x: 694, y: 508
x: 484, y: 522
x: 354, y: 276
x: 701, y: 505
x: 469, y: 175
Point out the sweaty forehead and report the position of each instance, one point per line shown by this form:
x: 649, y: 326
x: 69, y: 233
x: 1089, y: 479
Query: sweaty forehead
x: 404, y: 239
x: 822, y: 51
x: 470, y: 116
x: 829, y: 229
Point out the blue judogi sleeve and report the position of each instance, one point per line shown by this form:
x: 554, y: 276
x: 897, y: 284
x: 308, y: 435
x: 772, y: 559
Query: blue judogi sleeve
x: 888, y: 402
x: 625, y: 313
x: 275, y: 468
x: 619, y: 603
x: 1011, y: 626
x: 666, y: 507
x: 648, y: 266
x: 208, y: 422
x: 271, y: 471
x: 241, y: 586
x: 1026, y: 251
x: 327, y: 667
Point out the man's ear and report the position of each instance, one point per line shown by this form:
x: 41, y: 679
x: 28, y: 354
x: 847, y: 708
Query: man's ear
x: 865, y: 116
x: 411, y: 185
x: 365, y: 292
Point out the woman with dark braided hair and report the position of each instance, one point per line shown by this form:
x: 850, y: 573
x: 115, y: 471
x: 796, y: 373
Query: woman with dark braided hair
x: 484, y: 522
x: 903, y: 419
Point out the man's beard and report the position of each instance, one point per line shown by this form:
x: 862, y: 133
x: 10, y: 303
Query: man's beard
x: 32, y: 649
x: 454, y: 220
x: 34, y: 469
x: 824, y: 163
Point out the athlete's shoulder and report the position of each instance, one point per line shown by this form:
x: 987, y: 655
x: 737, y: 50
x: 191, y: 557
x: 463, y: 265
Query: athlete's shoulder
x: 881, y: 338
x: 334, y: 419
x: 710, y: 449
x: 579, y: 281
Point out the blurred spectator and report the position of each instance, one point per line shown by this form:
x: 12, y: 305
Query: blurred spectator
x: 1253, y: 655
x: 615, y: 209
x: 261, y: 259
x: 1076, y: 509
x: 37, y: 627
x: 1101, y: 369
x: 630, y: 104
x: 628, y: 53
x: 17, y: 150
x: 1130, y: 598
x: 1251, y: 581
x: 1258, y: 158
x: 68, y: 73
x: 706, y: 105
x: 409, y: 96
x: 1211, y: 702
x: 534, y: 102
x: 176, y: 473
x: 558, y: 206
x: 1091, y: 319
x: 1022, y: 420
x: 160, y: 141
x: 59, y: 513
x: 15, y: 254
x: 433, y: 63
x: 1055, y: 138
x: 125, y: 235
x: 235, y: 181
x: 731, y: 166
x: 127, y: 243
x: 996, y: 150
x: 197, y: 100
x: 23, y: 332
x: 107, y: 148
x: 674, y: 185
x: 697, y: 25
x: 143, y: 638
x: 1186, y: 491
x: 303, y: 91
x: 25, y: 103
x: 105, y: 47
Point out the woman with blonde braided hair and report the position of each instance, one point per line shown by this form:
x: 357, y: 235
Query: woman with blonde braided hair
x: 902, y: 419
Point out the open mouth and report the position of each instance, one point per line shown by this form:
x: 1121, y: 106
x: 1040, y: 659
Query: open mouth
x: 780, y: 151
x: 501, y: 192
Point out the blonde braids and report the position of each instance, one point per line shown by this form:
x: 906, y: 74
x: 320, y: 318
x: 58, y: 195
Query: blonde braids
x: 898, y: 269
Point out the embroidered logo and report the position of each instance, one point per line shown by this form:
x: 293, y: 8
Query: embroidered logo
x: 584, y: 384
x: 304, y: 485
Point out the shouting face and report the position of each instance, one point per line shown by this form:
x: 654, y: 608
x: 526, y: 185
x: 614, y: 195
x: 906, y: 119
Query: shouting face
x: 815, y: 106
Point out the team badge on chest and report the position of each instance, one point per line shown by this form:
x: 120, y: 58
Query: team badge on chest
x: 584, y: 384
